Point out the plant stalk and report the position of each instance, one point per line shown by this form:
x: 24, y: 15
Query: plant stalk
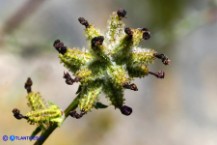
x: 51, y: 128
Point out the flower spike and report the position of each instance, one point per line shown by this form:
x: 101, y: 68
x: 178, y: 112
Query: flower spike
x: 42, y: 113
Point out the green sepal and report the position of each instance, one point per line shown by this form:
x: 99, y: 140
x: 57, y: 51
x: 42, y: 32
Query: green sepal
x: 52, y: 114
x: 137, y: 70
x: 122, y: 50
x: 91, y: 32
x: 117, y: 75
x: 89, y: 96
x: 114, y: 93
x: 142, y: 56
x: 115, y: 28
x: 73, y: 59
x: 99, y: 105
x: 35, y: 101
x: 137, y: 36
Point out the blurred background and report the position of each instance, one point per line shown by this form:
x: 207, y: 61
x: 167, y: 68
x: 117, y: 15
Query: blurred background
x: 178, y: 110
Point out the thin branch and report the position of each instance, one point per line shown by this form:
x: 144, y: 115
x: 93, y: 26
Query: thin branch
x: 50, y: 129
x: 13, y: 22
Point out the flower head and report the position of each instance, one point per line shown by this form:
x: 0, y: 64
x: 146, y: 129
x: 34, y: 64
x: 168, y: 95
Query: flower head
x: 42, y: 113
x: 110, y: 63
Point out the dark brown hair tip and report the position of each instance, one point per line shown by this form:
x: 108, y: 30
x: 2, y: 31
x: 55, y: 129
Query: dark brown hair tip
x: 122, y: 13
x: 126, y: 110
x: 83, y: 21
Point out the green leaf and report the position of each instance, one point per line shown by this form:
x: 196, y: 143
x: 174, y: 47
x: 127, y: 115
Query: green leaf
x: 99, y: 105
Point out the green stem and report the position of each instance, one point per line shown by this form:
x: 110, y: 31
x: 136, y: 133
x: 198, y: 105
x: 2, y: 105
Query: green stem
x: 51, y: 128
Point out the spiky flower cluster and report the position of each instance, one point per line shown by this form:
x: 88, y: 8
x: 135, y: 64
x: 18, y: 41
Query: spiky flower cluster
x: 42, y: 113
x: 110, y: 63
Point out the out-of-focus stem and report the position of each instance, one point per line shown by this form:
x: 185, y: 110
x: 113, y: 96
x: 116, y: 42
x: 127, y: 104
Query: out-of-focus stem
x: 21, y: 15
